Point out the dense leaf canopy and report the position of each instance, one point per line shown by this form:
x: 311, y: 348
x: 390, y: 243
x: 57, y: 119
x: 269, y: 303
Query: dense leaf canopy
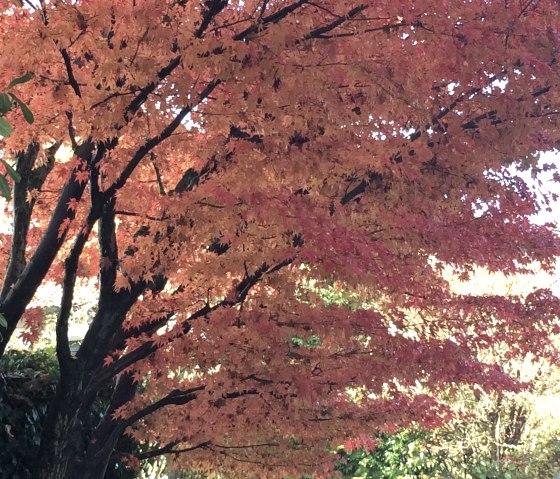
x: 232, y: 158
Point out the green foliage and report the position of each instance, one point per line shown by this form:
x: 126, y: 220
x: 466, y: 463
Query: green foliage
x: 310, y: 342
x: 332, y: 294
x: 22, y: 79
x: 9, y: 101
x: 5, y: 103
x: 483, y: 445
x: 37, y: 364
x: 11, y: 171
x: 5, y: 127
x: 27, y: 384
x: 403, y: 455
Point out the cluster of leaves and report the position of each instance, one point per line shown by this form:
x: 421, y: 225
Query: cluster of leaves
x: 9, y: 101
x: 310, y: 342
x: 402, y: 455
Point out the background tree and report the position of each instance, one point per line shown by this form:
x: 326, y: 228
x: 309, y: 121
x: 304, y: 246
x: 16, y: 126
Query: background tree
x: 225, y: 155
x: 514, y: 436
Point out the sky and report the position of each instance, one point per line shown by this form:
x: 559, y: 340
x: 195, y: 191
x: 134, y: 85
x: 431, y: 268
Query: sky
x: 550, y: 185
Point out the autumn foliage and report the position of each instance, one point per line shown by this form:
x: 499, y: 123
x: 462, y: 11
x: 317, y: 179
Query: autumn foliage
x: 232, y: 158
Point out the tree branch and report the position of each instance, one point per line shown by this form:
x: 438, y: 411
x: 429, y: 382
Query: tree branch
x: 143, y: 94
x: 71, y: 78
x: 177, y: 397
x: 13, y: 306
x: 213, y: 8
x: 263, y: 9
x: 23, y: 210
x: 156, y: 140
x: 266, y: 462
x: 159, y: 179
x: 103, y: 374
x: 110, y: 430
x: 70, y: 273
x: 168, y: 449
x: 384, y: 28
x: 105, y: 324
x: 108, y: 250
x: 320, y: 32
x: 270, y: 19
x: 247, y: 446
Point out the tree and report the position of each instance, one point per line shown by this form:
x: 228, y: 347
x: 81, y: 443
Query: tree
x: 513, y: 436
x: 228, y: 158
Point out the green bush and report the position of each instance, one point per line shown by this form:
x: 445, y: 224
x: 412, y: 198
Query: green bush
x: 445, y: 454
x: 27, y: 384
x: 403, y: 455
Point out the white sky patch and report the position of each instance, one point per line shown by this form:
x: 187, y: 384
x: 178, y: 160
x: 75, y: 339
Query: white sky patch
x: 545, y: 185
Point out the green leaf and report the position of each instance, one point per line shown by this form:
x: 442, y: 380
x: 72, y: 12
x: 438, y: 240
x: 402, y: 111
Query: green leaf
x: 5, y: 103
x: 3, y: 321
x: 5, y: 127
x: 313, y: 340
x: 13, y: 173
x: 5, y: 188
x: 297, y: 341
x: 22, y: 79
x: 24, y: 109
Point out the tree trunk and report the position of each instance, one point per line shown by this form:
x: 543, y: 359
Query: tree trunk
x: 61, y: 439
x: 107, y: 434
x: 69, y: 448
x: 63, y: 445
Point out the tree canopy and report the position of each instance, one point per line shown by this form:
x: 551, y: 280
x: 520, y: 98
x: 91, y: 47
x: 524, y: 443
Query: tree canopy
x: 231, y: 159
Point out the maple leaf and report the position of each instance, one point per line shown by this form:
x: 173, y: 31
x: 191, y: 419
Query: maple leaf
x: 82, y: 176
x: 63, y: 228
x: 29, y: 337
x: 121, y: 282
x: 73, y: 205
